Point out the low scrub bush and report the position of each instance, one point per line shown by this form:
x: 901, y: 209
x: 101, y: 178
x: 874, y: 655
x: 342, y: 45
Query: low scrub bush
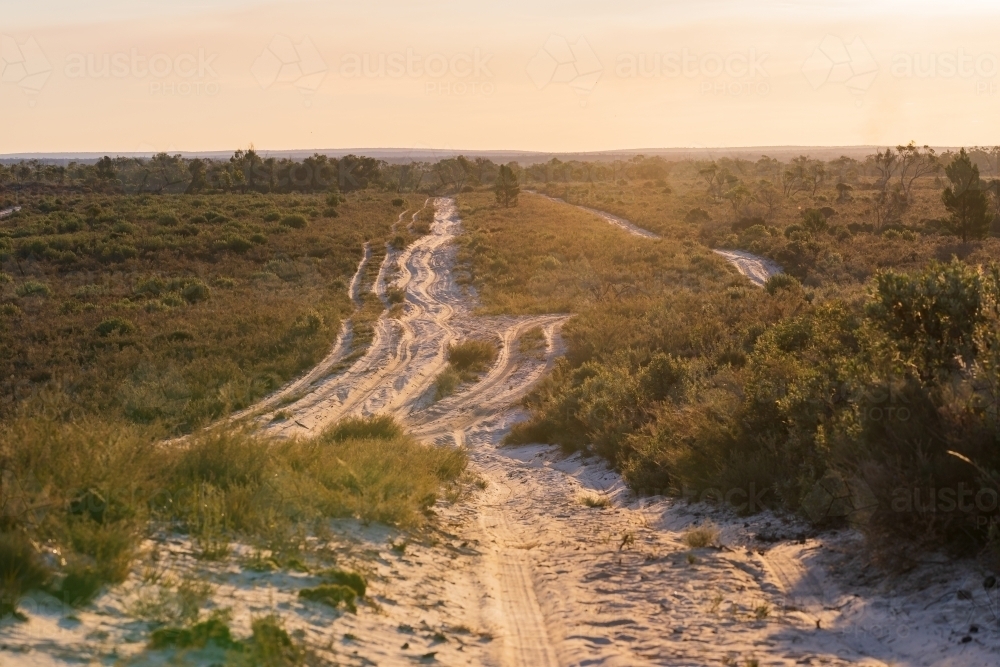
x: 108, y: 483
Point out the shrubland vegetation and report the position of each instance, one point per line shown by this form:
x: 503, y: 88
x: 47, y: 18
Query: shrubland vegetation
x: 176, y: 309
x: 134, y: 307
x: 467, y: 360
x: 92, y: 489
x: 861, y: 387
x: 146, y: 297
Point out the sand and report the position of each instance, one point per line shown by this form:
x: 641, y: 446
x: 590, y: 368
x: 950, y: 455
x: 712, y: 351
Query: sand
x: 519, y: 571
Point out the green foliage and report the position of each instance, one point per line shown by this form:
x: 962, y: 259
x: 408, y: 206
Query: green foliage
x: 31, y: 288
x: 198, y: 636
x: 352, y: 580
x: 270, y: 645
x: 195, y: 291
x: 472, y: 355
x: 105, y: 481
x: 506, y: 188
x: 446, y: 383
x: 780, y: 281
x: 294, y: 221
x: 966, y: 200
x: 21, y: 569
x: 117, y: 325
x: 333, y: 595
x: 930, y: 316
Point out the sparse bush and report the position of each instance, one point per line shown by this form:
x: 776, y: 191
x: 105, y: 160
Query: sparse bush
x: 30, y: 288
x: 780, y: 281
x: 21, y: 570
x: 595, y: 500
x: 472, y: 355
x: 701, y: 536
x: 195, y: 291
x: 446, y: 383
x: 212, y: 631
x: 117, y: 325
x: 294, y: 221
x: 333, y: 595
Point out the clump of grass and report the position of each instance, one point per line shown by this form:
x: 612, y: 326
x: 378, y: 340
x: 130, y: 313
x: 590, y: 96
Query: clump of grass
x: 270, y: 645
x: 701, y: 536
x: 112, y: 480
x: 199, y: 635
x: 395, y: 295
x: 33, y: 288
x: 333, y: 595
x: 595, y: 500
x: 380, y: 427
x: 446, y: 383
x: 472, y: 355
x: 761, y: 611
x: 531, y: 340
x: 21, y: 570
x: 294, y: 221
x: 466, y: 360
x: 352, y: 580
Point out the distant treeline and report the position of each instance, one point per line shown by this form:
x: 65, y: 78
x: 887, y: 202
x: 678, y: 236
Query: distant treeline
x: 249, y: 171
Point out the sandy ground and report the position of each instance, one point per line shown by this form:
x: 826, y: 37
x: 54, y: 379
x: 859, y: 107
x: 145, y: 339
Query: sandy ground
x: 8, y: 211
x: 519, y: 571
x: 757, y: 269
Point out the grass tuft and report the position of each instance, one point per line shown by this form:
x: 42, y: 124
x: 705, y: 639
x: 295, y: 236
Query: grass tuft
x: 701, y: 536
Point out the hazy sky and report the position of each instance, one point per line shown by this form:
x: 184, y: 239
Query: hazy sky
x: 139, y: 75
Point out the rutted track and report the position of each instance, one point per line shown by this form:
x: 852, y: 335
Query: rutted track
x: 555, y: 582
x: 396, y: 375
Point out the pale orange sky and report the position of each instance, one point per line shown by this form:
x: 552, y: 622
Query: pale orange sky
x: 192, y: 75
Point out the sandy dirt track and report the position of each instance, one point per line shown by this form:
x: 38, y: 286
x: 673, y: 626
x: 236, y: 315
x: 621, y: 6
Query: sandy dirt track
x: 559, y: 583
x: 521, y: 573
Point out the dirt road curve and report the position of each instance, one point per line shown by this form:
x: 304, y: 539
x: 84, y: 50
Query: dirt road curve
x: 558, y: 583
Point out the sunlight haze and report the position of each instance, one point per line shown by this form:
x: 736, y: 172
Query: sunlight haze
x: 545, y: 76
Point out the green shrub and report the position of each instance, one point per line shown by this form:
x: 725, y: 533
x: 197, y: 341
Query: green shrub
x: 30, y: 288
x: 294, y: 221
x: 333, y: 595
x: 398, y: 202
x: 167, y: 220
x: 195, y: 292
x: 213, y: 631
x: 446, y: 383
x: 472, y: 355
x: 21, y: 569
x: 780, y: 281
x: 352, y: 580
x: 115, y: 325
x: 270, y: 645
x: 380, y: 427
